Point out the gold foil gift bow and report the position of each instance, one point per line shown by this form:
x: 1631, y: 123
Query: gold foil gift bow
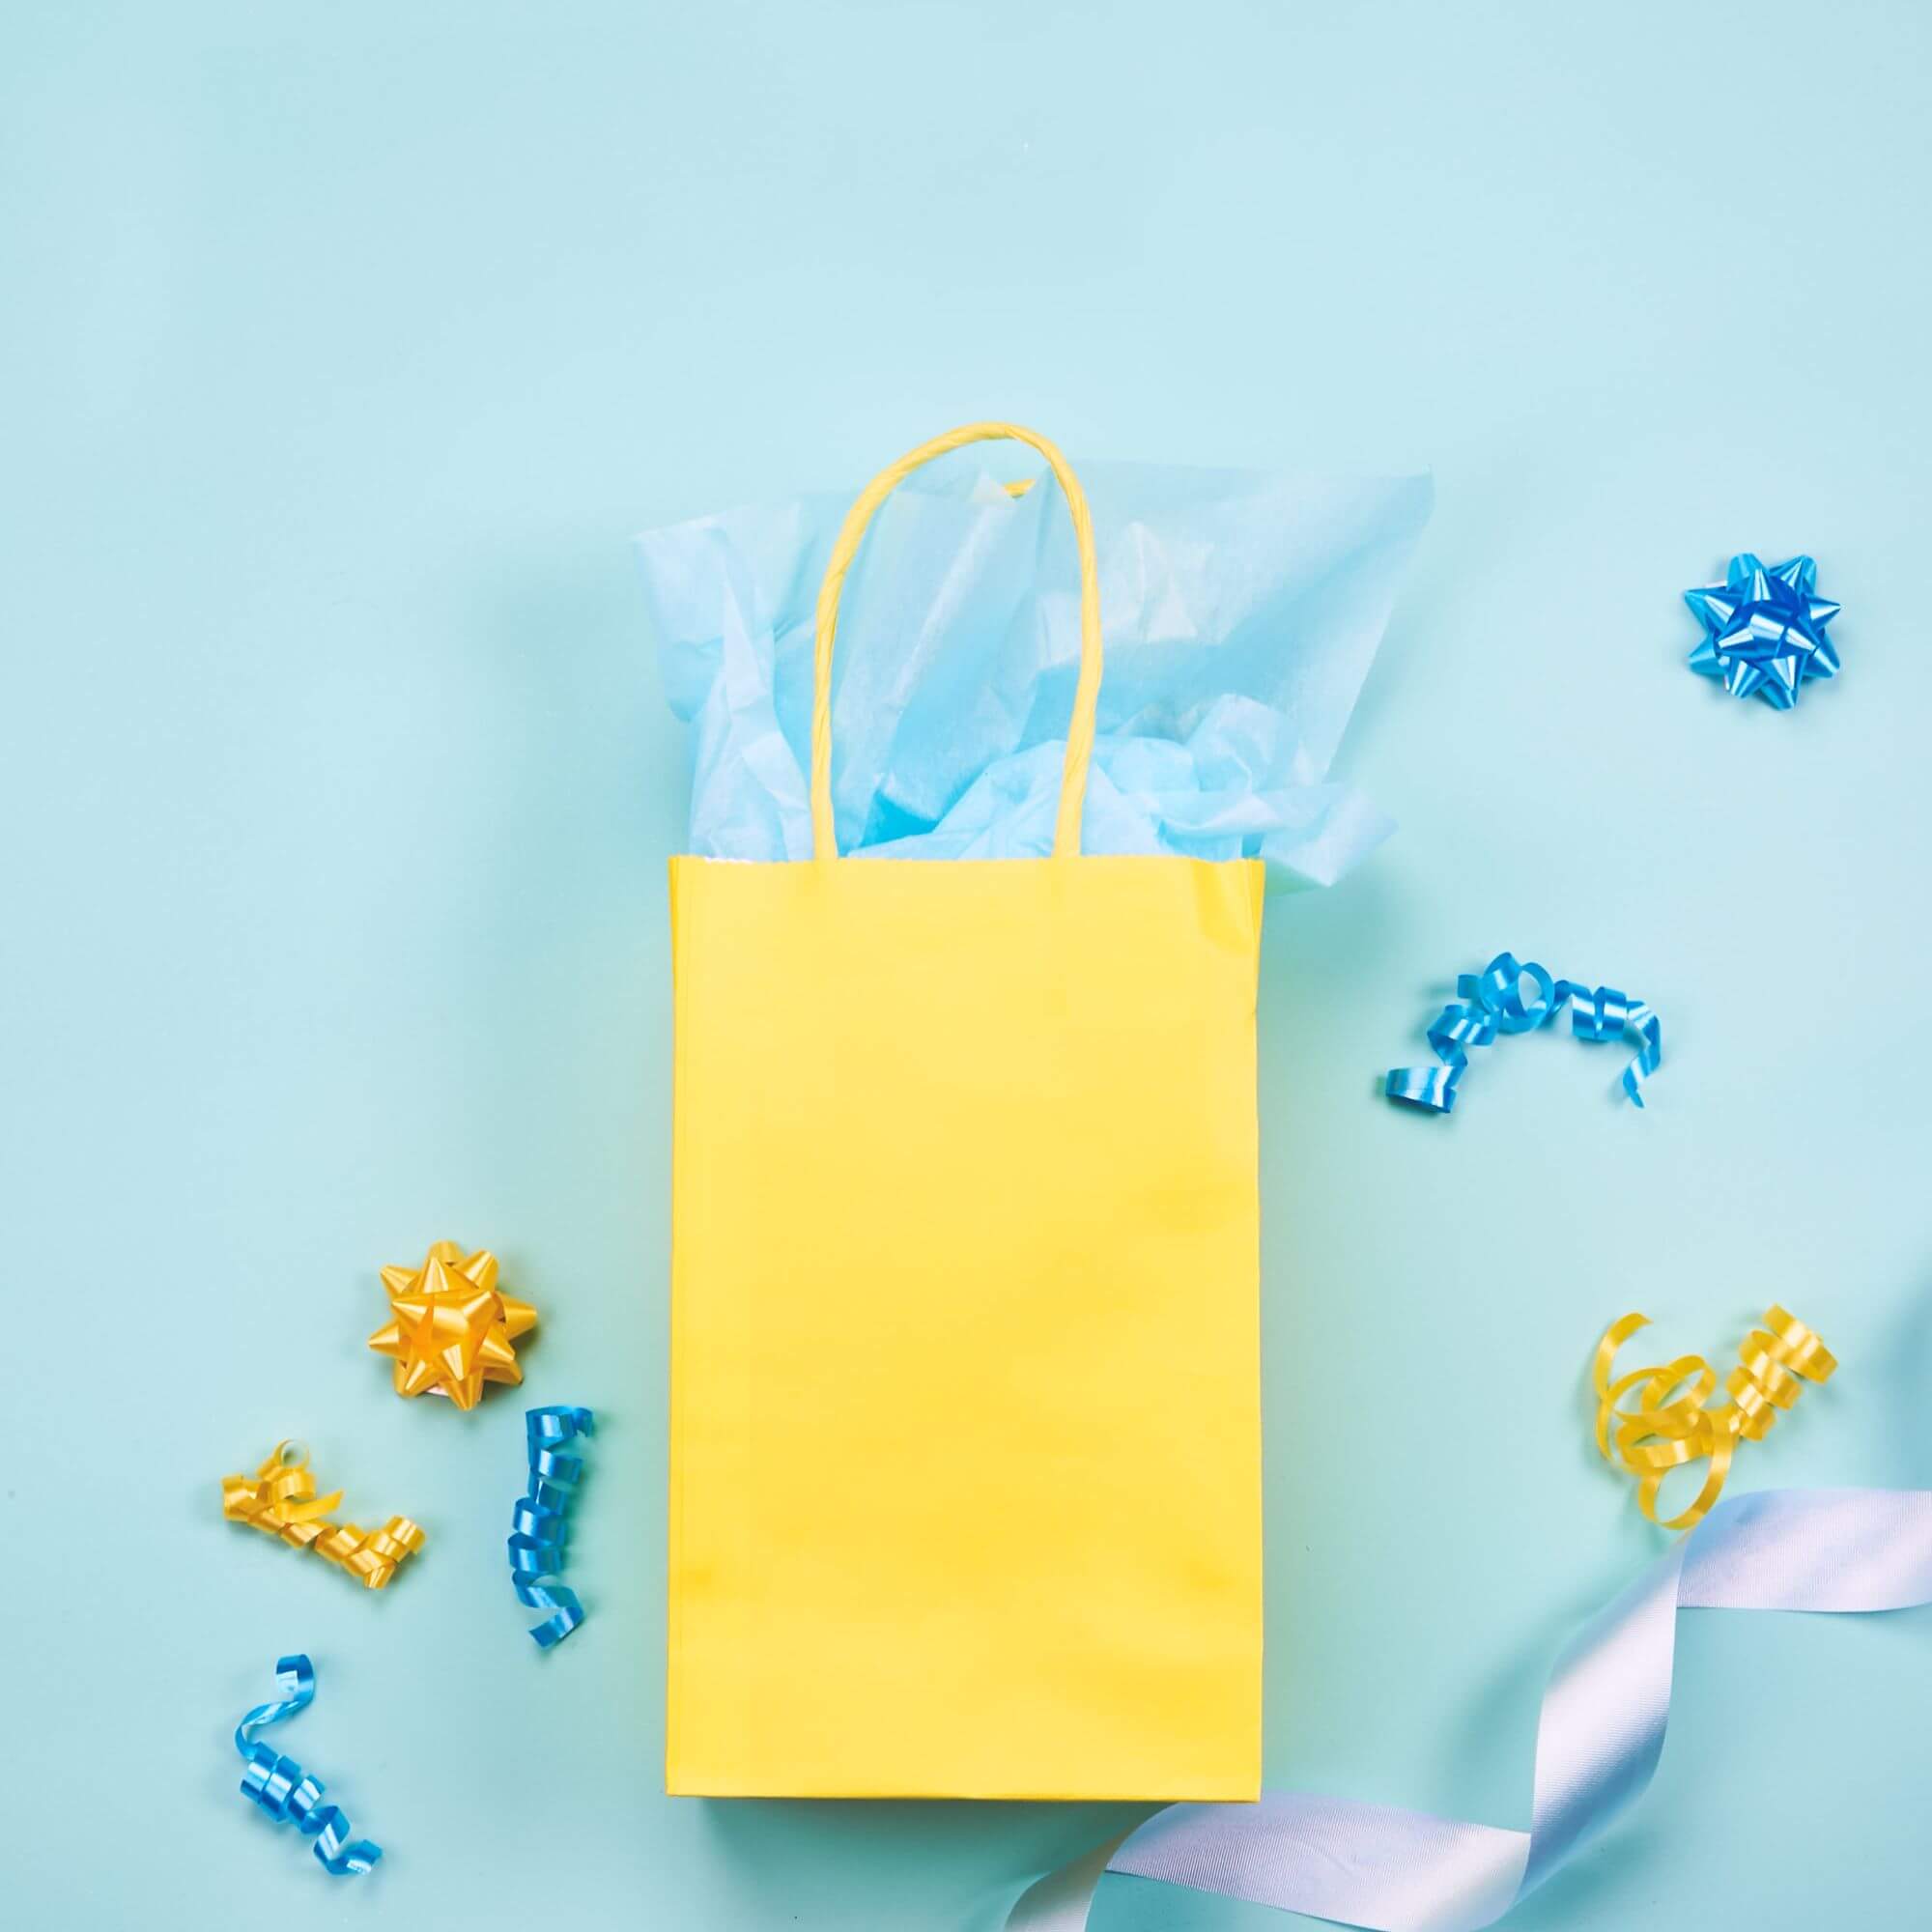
x: 451, y: 1328
x: 1671, y: 1424
x: 279, y: 1499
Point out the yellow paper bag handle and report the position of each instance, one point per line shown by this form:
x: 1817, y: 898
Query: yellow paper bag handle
x: 1086, y: 694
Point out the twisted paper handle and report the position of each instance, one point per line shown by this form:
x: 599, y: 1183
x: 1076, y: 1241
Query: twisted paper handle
x: 1671, y: 1424
x: 1085, y: 690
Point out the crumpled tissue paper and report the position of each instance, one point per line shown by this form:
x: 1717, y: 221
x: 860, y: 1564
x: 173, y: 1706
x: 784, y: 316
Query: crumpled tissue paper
x: 1240, y: 614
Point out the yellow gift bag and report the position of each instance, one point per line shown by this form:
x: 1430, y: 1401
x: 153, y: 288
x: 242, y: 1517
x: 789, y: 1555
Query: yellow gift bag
x: 965, y: 1458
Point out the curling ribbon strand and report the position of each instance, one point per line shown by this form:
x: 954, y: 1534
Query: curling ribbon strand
x: 1598, y: 1739
x: 284, y: 1790
x: 1491, y: 1001
x: 280, y: 1500
x: 539, y: 1524
x: 1670, y: 1425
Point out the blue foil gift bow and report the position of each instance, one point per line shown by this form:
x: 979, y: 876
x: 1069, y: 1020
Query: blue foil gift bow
x: 539, y: 1524
x: 1598, y: 1741
x: 284, y: 1790
x: 1491, y: 1001
x: 1764, y: 629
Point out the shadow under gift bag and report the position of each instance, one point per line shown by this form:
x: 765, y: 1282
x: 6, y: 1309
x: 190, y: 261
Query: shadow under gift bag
x: 965, y: 1417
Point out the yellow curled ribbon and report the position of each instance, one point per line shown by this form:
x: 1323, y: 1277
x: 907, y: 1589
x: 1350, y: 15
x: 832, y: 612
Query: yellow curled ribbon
x: 1670, y: 1425
x: 280, y: 1500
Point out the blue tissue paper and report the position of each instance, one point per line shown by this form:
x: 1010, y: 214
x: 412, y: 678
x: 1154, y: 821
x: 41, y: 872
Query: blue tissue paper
x: 1241, y: 612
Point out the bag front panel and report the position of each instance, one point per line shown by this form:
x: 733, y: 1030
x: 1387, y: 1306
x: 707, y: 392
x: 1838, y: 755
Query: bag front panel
x: 965, y: 1458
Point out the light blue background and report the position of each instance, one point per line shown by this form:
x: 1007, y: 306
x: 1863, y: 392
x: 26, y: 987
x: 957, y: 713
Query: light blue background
x: 344, y: 348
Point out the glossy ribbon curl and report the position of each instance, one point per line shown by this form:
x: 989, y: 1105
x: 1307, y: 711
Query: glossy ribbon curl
x: 1493, y: 1002
x: 284, y: 1790
x: 280, y: 1500
x: 1764, y: 629
x: 1598, y: 1739
x: 1671, y: 1424
x: 539, y: 1524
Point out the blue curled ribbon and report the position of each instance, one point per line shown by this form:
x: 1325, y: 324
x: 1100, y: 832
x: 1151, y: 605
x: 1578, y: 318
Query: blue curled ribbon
x: 539, y: 1525
x: 1598, y: 1739
x: 1491, y: 1001
x: 284, y: 1790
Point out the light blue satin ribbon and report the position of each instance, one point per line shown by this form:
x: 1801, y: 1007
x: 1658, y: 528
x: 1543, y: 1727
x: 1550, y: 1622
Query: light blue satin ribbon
x: 1491, y: 1001
x: 540, y: 1523
x: 284, y: 1790
x: 1598, y: 1739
